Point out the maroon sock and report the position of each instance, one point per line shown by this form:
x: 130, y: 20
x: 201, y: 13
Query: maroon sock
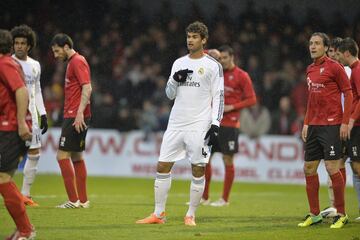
x: 67, y: 172
x: 312, y: 190
x: 80, y: 173
x: 229, y: 179
x: 343, y: 173
x: 208, y: 174
x: 338, y: 187
x: 15, y: 206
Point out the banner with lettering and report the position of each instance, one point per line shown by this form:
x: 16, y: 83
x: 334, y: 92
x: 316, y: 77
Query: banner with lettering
x: 272, y: 159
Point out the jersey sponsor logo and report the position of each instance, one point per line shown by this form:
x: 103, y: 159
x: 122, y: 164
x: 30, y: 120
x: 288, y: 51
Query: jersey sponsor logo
x: 315, y: 87
x: 321, y: 70
x: 189, y: 82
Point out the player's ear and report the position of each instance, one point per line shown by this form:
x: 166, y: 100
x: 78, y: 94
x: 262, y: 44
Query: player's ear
x: 203, y: 41
x: 66, y: 47
x: 326, y: 48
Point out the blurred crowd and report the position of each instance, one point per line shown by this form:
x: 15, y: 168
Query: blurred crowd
x: 130, y: 56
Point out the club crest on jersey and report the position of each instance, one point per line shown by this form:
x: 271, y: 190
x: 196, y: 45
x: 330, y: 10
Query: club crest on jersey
x: 321, y: 70
x: 201, y: 71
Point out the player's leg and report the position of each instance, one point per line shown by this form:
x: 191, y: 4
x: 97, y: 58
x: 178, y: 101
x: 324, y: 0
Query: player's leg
x: 356, y: 181
x: 332, y: 145
x: 172, y: 149
x: 68, y: 175
x: 313, y: 154
x: 197, y: 186
x: 228, y: 138
x: 80, y: 178
x: 208, y: 175
x: 354, y: 154
x: 11, y: 147
x: 198, y: 154
x: 29, y: 172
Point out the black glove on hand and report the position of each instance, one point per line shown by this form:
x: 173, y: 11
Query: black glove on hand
x: 212, y: 135
x: 43, y: 124
x: 181, y: 75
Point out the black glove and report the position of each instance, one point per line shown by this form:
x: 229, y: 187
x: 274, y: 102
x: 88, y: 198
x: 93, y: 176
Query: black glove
x: 181, y: 75
x: 43, y: 124
x: 212, y: 135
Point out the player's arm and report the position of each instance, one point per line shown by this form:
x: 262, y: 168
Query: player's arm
x: 39, y: 102
x: 217, y: 91
x: 345, y: 88
x: 82, y: 73
x: 355, y: 113
x: 171, y: 86
x: 22, y: 102
x: 248, y: 100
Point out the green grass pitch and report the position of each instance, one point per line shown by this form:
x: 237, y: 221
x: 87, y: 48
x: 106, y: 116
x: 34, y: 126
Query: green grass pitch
x: 257, y: 211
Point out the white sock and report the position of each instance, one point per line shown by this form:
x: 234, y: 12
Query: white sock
x: 197, y: 187
x: 330, y: 192
x: 30, y: 169
x: 161, y: 189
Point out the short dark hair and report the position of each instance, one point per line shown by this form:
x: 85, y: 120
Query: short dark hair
x: 5, y: 41
x: 324, y: 37
x: 198, y: 27
x: 24, y: 31
x: 62, y: 39
x: 348, y: 44
x: 228, y: 49
x: 335, y: 42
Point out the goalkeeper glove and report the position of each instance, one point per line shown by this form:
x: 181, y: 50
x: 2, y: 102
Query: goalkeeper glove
x: 43, y: 124
x: 212, y: 135
x: 181, y: 75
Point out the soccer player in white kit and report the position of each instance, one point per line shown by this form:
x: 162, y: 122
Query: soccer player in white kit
x: 24, y: 40
x: 196, y: 83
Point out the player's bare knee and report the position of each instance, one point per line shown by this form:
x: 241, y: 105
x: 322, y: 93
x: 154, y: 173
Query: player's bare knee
x: 35, y: 151
x: 198, y: 170
x: 309, y: 169
x: 228, y: 160
x: 332, y: 166
x: 62, y: 155
x: 356, y: 168
x: 6, y: 176
x: 164, y: 167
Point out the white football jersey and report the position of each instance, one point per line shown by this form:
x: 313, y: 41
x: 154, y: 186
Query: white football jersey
x: 199, y: 101
x: 32, y: 72
x: 348, y: 74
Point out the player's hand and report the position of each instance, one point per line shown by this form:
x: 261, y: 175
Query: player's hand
x: 212, y: 134
x: 44, y: 124
x: 79, y: 123
x: 24, y: 132
x: 304, y: 132
x: 228, y: 108
x: 344, y: 132
x: 181, y: 75
x: 350, y: 126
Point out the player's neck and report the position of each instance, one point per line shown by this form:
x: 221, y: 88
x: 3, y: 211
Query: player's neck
x: 353, y: 60
x: 22, y: 58
x: 197, y: 54
x: 70, y: 53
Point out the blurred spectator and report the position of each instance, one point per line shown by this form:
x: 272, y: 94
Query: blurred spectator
x: 284, y: 118
x: 255, y: 121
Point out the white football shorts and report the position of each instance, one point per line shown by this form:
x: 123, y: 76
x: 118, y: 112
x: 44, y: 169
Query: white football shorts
x: 177, y: 145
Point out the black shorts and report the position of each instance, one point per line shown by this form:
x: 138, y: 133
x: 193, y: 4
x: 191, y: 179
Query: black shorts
x: 323, y: 142
x: 70, y: 140
x: 228, y: 141
x: 11, y: 149
x: 354, y: 144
